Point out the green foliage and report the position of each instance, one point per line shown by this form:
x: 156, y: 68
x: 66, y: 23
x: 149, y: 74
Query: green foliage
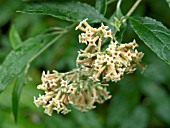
x: 127, y: 99
x: 168, y: 1
x: 14, y: 38
x: 118, y: 13
x: 160, y: 101
x: 138, y: 100
x: 18, y: 84
x: 17, y: 60
x: 117, y: 18
x: 154, y: 34
x: 71, y: 11
x: 101, y: 6
x: 137, y: 119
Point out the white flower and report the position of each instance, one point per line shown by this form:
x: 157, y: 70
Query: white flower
x: 48, y: 95
x: 100, y: 59
x: 116, y: 78
x: 71, y: 89
x: 108, y: 34
x: 106, y: 57
x: 109, y: 59
x: 134, y: 54
x: 42, y: 86
x: 92, y: 42
x: 107, y: 77
x: 93, y: 77
x: 58, y: 108
x: 81, y: 24
x: 39, y: 101
x: 116, y: 54
x: 103, y: 28
x: 44, y: 76
x: 128, y: 55
x: 111, y: 75
x: 112, y: 47
x: 82, y: 39
x: 63, y: 83
x: 48, y: 109
x: 88, y: 35
x: 65, y: 111
x: 140, y: 55
x: 134, y: 44
x: 97, y: 66
x: 52, y: 83
x: 55, y: 102
x: 121, y: 70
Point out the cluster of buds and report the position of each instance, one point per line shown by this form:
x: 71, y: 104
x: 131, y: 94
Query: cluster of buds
x: 86, y: 85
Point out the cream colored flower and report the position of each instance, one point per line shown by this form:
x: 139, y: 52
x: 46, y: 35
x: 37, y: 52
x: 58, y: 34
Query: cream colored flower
x: 103, y: 28
x: 63, y: 83
x: 108, y: 34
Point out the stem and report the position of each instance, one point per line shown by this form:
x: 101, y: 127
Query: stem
x: 99, y: 45
x: 110, y: 1
x: 84, y: 61
x: 123, y: 19
x: 72, y: 71
x: 46, y: 47
x: 133, y: 8
x: 41, y: 51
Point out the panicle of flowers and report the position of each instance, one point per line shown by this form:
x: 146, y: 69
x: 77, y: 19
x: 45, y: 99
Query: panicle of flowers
x: 111, y: 63
x: 74, y: 88
x: 85, y: 86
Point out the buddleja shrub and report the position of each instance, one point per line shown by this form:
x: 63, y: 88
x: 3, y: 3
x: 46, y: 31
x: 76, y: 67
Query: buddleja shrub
x: 86, y: 85
x: 104, y: 59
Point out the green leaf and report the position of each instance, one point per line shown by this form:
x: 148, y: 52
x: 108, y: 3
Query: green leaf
x: 117, y: 24
x: 168, y: 1
x: 122, y: 103
x: 137, y: 119
x: 101, y: 6
x: 18, y: 84
x: 154, y: 34
x: 90, y: 117
x: 17, y: 60
x: 14, y: 37
x: 159, y: 99
x: 70, y: 11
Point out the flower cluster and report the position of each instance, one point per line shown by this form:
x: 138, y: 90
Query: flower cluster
x: 111, y: 63
x: 86, y: 85
x: 70, y: 88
